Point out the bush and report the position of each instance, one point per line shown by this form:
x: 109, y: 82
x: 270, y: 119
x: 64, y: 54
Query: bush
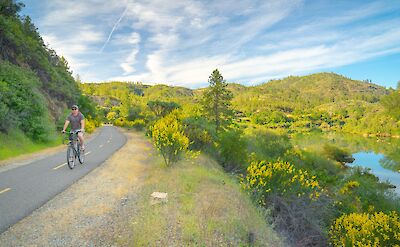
x: 200, y: 132
x: 293, y: 197
x: 231, y: 149
x: 267, y: 145
x: 162, y: 108
x: 168, y: 137
x: 22, y: 105
x: 363, y: 229
x: 264, y: 179
x: 138, y: 124
x: 121, y: 121
x: 90, y: 125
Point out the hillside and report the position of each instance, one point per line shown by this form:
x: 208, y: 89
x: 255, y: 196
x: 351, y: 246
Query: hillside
x: 22, y: 46
x: 305, y: 92
x: 36, y: 85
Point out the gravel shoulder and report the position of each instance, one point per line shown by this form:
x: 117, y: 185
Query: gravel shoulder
x: 94, y: 210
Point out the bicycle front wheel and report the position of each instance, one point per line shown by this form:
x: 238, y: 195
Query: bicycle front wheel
x: 71, y: 157
x: 81, y: 154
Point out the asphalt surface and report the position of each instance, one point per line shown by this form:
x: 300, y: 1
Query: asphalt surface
x: 26, y: 188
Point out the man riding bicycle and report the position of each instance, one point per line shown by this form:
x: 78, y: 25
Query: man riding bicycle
x: 77, y: 121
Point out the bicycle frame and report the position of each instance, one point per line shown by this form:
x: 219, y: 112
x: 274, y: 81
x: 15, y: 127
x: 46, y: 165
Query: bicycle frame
x: 74, y: 146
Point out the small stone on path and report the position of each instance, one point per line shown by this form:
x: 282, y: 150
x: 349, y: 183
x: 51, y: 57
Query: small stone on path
x: 158, y: 197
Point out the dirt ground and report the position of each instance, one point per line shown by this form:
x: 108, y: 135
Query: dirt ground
x: 94, y: 210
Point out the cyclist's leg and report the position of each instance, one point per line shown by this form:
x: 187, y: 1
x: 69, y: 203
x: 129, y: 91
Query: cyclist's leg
x: 81, y: 139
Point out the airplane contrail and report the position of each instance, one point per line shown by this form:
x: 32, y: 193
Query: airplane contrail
x: 114, y: 27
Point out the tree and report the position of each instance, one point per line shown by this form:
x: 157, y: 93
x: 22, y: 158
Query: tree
x: 10, y: 7
x: 162, y: 108
x: 391, y: 102
x: 216, y: 100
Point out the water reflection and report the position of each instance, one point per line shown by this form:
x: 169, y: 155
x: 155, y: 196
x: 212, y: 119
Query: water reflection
x: 379, y: 165
x: 382, y: 155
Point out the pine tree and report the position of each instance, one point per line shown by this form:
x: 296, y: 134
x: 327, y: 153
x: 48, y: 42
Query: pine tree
x: 216, y: 100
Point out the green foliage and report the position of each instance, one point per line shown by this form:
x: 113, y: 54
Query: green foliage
x: 267, y: 145
x: 216, y: 100
x: 391, y: 103
x: 10, y: 7
x: 35, y: 83
x: 15, y: 143
x: 168, y: 137
x: 161, y: 108
x: 22, y: 45
x: 22, y: 106
x: 138, y: 124
x: 231, y: 149
x: 87, y: 107
x: 200, y: 132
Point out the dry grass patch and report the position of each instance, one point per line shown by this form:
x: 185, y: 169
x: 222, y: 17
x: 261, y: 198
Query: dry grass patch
x: 205, y: 207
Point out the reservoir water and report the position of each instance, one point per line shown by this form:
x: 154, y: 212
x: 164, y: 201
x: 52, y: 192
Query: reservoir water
x: 377, y: 164
x: 381, y: 155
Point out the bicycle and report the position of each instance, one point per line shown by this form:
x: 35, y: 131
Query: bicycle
x: 74, y: 149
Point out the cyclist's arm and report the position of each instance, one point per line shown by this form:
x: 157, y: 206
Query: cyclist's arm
x: 65, y: 125
x: 83, y: 125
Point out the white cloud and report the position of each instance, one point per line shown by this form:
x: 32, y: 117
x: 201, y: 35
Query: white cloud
x: 182, y: 42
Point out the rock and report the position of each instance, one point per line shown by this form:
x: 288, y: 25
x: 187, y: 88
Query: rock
x: 124, y: 201
x: 158, y: 197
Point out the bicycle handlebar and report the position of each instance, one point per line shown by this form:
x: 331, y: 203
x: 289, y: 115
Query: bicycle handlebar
x: 75, y: 131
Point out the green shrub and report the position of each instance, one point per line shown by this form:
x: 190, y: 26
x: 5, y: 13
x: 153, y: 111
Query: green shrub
x: 162, y: 108
x: 168, y: 137
x: 22, y: 105
x: 231, y: 148
x: 138, y: 124
x: 200, y: 132
x: 266, y: 144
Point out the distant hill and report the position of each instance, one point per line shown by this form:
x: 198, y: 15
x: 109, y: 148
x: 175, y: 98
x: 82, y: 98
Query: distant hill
x: 116, y: 91
x: 288, y: 94
x: 304, y: 92
x: 164, y: 91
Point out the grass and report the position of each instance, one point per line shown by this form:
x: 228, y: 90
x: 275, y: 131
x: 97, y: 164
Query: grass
x: 205, y: 207
x: 16, y: 143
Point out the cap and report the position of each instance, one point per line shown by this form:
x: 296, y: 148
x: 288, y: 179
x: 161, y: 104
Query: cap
x: 75, y: 106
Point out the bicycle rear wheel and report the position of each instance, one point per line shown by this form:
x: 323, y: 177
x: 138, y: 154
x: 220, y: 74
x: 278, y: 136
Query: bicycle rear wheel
x: 81, y: 154
x: 71, y: 157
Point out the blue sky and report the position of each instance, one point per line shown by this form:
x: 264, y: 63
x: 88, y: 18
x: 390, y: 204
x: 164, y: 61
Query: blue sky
x: 180, y: 42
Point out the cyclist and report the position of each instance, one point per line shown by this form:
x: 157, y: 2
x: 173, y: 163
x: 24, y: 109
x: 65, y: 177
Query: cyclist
x: 77, y: 121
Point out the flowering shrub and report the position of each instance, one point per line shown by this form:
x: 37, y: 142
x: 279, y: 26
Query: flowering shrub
x: 137, y: 124
x: 90, y: 125
x: 363, y: 229
x: 349, y: 186
x: 280, y: 178
x: 168, y: 137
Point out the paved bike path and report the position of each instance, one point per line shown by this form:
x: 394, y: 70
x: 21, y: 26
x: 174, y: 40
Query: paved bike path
x: 25, y: 188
